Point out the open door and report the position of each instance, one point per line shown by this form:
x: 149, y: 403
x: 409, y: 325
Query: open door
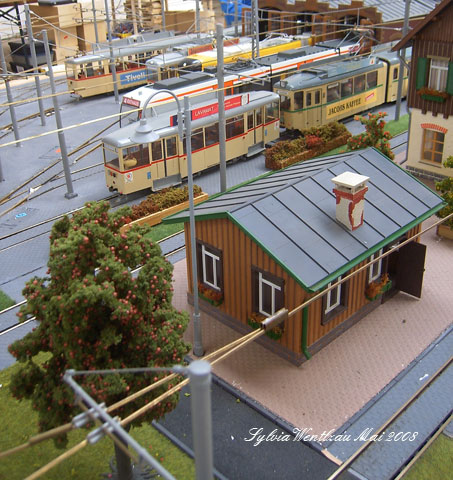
x: 410, y: 268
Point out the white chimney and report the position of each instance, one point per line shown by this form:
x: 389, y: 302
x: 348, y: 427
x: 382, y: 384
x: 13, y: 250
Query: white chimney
x: 350, y: 189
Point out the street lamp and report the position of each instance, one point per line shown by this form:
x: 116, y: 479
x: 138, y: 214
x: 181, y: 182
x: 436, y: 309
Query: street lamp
x: 145, y: 134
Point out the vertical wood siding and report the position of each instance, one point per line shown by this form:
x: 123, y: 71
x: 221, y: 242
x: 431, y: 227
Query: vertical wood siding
x: 240, y: 253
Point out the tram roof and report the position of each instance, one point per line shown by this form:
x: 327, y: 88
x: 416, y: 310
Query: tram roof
x: 160, y: 122
x: 328, y: 73
x: 139, y: 47
x: 291, y: 214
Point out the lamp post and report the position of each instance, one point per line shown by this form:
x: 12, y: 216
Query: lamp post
x: 145, y: 134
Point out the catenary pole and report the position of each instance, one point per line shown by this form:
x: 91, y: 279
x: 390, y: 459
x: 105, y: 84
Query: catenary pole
x: 63, y: 150
x: 34, y: 62
x: 221, y: 100
x: 9, y: 96
x: 200, y: 400
x: 112, y: 60
x: 96, y: 33
x: 402, y: 61
x: 197, y: 340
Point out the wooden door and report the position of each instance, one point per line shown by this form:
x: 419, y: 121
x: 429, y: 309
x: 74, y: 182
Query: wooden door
x: 410, y: 268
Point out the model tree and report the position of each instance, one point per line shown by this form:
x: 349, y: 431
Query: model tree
x: 375, y: 134
x: 94, y: 314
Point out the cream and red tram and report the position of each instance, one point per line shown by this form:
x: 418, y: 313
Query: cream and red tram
x: 252, y: 121
x: 91, y: 74
x: 238, y: 78
x: 333, y: 92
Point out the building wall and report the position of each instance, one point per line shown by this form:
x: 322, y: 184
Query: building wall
x: 240, y: 253
x: 415, y: 163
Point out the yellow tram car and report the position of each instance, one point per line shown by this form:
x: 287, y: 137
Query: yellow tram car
x: 252, y: 121
x: 322, y: 95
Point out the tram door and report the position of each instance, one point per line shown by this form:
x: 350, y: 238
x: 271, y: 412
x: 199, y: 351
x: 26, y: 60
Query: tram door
x: 255, y: 122
x: 313, y: 107
x: 164, y: 165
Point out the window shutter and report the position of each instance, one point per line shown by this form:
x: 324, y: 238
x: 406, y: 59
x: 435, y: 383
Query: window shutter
x: 450, y: 79
x: 422, y: 67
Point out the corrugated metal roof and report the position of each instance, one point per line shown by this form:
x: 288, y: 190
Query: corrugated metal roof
x: 291, y: 214
x: 391, y: 10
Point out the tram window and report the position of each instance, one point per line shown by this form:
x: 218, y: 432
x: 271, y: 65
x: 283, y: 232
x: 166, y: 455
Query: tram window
x: 212, y: 134
x: 333, y: 92
x: 285, y: 102
x: 90, y: 70
x: 346, y: 88
x: 259, y: 117
x: 197, y: 139
x: 395, y: 73
x: 308, y: 99
x: 359, y: 84
x: 111, y: 157
x: 153, y: 75
x: 298, y: 100
x: 371, y: 79
x: 170, y: 144
x: 234, y: 126
x: 271, y: 111
x: 249, y: 121
x: 156, y: 150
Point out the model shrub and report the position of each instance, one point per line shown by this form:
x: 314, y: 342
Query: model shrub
x: 312, y: 142
x: 445, y: 187
x: 375, y: 134
x: 166, y: 198
x: 92, y: 313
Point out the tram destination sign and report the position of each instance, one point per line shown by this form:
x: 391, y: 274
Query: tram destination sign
x: 132, y: 77
x: 213, y: 108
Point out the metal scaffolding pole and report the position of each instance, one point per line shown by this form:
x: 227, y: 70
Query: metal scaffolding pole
x: 112, y: 60
x: 10, y: 98
x: 64, y: 152
x: 402, y: 61
x: 34, y: 61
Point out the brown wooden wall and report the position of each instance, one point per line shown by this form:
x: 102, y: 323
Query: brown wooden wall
x: 435, y: 39
x: 240, y: 253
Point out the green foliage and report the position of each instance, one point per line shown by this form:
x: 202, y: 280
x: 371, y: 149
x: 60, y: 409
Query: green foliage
x: 5, y: 301
x: 312, y: 142
x: 374, y: 135
x: 93, y: 314
x: 166, y: 198
x: 445, y: 187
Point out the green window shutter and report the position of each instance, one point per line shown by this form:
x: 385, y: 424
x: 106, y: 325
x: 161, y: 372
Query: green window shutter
x: 450, y: 79
x: 422, y: 68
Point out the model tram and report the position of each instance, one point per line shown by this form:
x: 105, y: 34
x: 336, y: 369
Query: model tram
x: 166, y: 66
x: 242, y: 76
x: 90, y: 75
x: 252, y: 121
x: 333, y: 92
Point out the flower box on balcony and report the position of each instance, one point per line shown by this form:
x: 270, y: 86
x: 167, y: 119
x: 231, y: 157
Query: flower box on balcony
x: 433, y: 98
x: 375, y: 289
x: 432, y: 95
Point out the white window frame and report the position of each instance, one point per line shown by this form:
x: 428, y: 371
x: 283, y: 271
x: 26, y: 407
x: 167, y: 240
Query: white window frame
x: 438, y: 73
x: 331, y: 306
x: 215, y: 264
x: 375, y: 267
x: 261, y: 281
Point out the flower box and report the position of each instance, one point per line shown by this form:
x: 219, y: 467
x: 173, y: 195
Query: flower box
x: 210, y: 295
x: 433, y: 98
x: 444, y: 231
x: 380, y: 286
x: 156, y: 218
x: 255, y: 322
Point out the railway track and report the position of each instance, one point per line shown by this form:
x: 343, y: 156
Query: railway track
x: 171, y: 245
x: 387, y: 453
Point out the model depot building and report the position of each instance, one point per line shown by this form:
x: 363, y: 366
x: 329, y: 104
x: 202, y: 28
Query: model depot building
x: 277, y: 240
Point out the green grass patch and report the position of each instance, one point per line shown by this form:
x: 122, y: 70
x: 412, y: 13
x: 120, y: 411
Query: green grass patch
x: 163, y: 230
x: 19, y: 423
x: 436, y: 462
x: 5, y: 301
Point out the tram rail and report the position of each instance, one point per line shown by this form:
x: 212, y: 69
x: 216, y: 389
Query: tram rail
x: 372, y: 440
